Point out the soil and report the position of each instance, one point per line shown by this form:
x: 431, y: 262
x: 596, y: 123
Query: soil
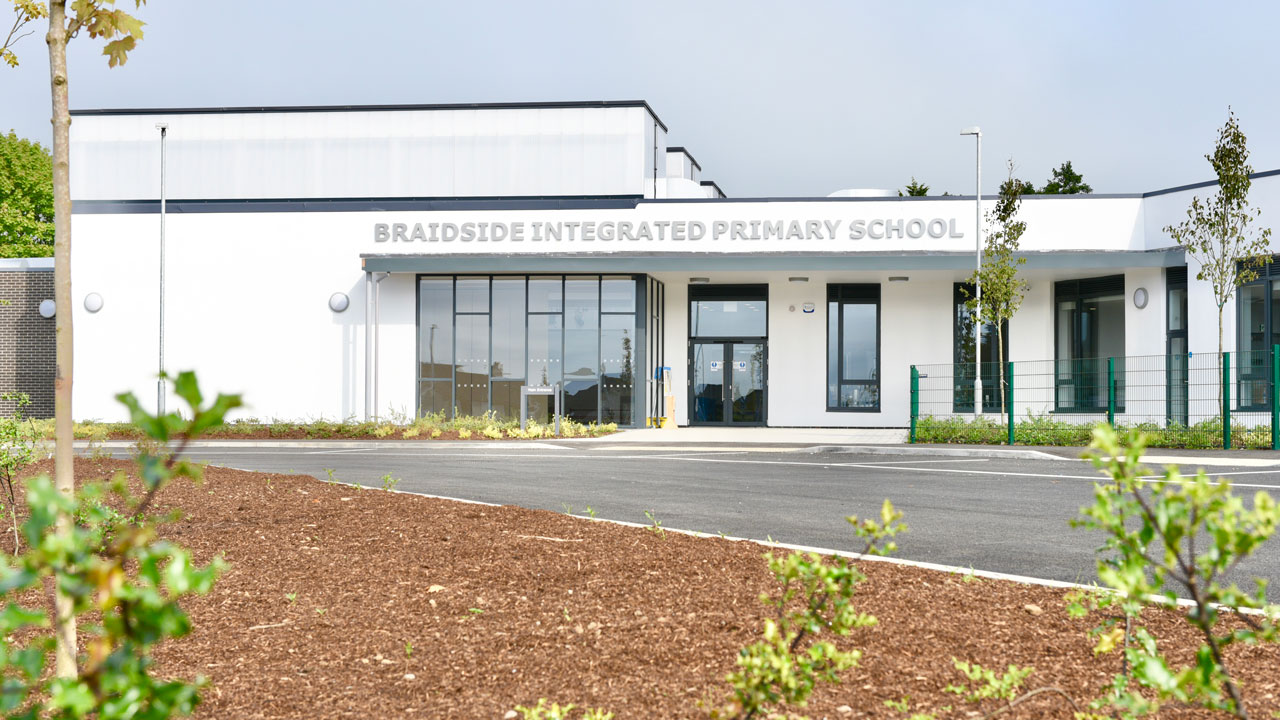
x: 349, y: 603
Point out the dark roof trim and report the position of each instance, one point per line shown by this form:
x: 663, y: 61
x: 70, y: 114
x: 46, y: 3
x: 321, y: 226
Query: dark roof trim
x: 681, y: 149
x: 1206, y: 183
x: 713, y: 184
x: 372, y: 108
x: 151, y: 207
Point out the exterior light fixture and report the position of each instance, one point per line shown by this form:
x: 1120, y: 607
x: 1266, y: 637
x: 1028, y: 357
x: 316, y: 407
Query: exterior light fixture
x: 93, y: 302
x: 699, y: 281
x: 798, y: 279
x: 898, y: 278
x: 339, y: 302
x: 48, y: 309
x: 1140, y: 298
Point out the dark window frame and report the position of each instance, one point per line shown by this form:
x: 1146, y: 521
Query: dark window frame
x: 1268, y: 278
x: 854, y: 294
x: 639, y: 337
x: 1079, y: 289
x: 958, y: 298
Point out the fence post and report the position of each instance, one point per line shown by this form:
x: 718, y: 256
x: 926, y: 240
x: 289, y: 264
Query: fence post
x: 915, y: 402
x: 1275, y: 400
x: 1226, y: 401
x: 1008, y: 397
x: 1111, y: 391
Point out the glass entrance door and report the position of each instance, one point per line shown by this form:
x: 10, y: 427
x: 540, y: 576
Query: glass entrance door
x: 727, y: 383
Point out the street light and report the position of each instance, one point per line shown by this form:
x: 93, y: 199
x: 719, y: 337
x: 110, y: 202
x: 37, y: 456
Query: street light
x: 977, y: 277
x: 164, y: 130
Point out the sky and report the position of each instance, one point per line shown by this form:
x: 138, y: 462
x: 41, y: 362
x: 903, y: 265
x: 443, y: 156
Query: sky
x: 773, y: 99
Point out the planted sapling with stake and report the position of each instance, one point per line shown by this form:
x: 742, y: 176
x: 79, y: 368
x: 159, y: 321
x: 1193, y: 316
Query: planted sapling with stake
x: 127, y: 579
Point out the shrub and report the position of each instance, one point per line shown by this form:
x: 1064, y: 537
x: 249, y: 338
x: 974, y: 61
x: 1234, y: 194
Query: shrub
x: 1152, y: 529
x: 817, y: 596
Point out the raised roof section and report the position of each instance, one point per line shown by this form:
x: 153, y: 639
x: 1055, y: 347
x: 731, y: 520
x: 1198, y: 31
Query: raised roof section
x: 563, y: 149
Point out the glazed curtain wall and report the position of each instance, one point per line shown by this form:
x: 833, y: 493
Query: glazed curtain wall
x: 481, y: 337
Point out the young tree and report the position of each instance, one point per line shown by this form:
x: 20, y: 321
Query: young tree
x: 1065, y: 181
x: 1217, y: 232
x: 914, y: 189
x: 26, y: 198
x: 101, y: 20
x: 1002, y: 289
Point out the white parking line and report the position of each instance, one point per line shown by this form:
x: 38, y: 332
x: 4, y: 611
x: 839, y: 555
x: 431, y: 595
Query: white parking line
x: 914, y: 466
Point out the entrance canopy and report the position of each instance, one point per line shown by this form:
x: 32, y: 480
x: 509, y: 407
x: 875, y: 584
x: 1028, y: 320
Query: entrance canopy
x: 659, y: 262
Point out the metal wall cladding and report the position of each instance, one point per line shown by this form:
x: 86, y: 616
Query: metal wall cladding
x: 353, y: 153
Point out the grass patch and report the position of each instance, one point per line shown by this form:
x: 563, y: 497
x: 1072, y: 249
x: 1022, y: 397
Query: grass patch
x: 1044, y: 430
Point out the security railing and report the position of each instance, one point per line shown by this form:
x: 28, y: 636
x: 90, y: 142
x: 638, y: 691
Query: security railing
x: 1197, y: 400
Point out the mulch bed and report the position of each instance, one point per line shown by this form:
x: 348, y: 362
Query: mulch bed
x: 503, y: 605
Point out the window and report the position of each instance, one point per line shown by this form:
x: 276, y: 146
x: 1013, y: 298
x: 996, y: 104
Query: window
x: 1089, y: 319
x: 480, y: 338
x: 963, y: 340
x: 1258, y: 325
x: 1176, y: 345
x: 853, y: 348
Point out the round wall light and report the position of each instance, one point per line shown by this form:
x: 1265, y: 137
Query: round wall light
x: 47, y: 309
x: 339, y: 302
x: 93, y: 302
x: 1140, y: 298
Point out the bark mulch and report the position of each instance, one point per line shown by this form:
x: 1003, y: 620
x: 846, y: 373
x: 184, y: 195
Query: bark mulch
x: 349, y: 603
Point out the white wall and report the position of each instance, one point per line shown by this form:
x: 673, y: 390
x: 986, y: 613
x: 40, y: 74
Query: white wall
x: 368, y: 153
x: 247, y: 296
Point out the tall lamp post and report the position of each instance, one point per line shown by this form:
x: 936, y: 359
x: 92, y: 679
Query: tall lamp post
x: 160, y: 384
x: 977, y: 252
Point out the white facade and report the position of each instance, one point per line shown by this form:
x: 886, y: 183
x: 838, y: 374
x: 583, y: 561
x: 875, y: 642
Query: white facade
x: 249, y: 277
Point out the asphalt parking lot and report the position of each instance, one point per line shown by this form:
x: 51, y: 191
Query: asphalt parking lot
x: 991, y: 513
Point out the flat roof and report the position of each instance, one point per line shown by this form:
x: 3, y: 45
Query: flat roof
x: 374, y: 108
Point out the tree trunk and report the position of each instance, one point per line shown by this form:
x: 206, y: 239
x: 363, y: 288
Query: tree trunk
x: 64, y: 457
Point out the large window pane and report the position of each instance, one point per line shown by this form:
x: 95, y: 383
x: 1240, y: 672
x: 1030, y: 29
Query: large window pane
x: 506, y: 398
x: 545, y: 340
x: 580, y: 400
x: 833, y: 354
x: 508, y: 328
x: 1090, y: 329
x: 582, y: 328
x: 728, y: 318
x: 473, y: 294
x: 617, y: 367
x: 435, y: 396
x: 618, y: 294
x: 546, y: 294
x: 473, y: 364
x: 435, y: 327
x: 859, y: 342
x: 1253, y: 321
x: 853, y: 347
x: 991, y: 359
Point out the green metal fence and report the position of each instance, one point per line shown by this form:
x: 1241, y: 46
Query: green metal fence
x: 1198, y: 400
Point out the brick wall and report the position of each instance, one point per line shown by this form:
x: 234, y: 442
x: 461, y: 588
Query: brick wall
x: 26, y: 340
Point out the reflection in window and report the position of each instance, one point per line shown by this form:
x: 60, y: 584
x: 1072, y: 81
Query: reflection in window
x: 617, y: 367
x: 1090, y: 329
x: 727, y: 318
x: 482, y: 338
x: 853, y: 347
x: 1258, y: 327
x: 582, y: 328
x: 964, y: 368
x: 508, y: 330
